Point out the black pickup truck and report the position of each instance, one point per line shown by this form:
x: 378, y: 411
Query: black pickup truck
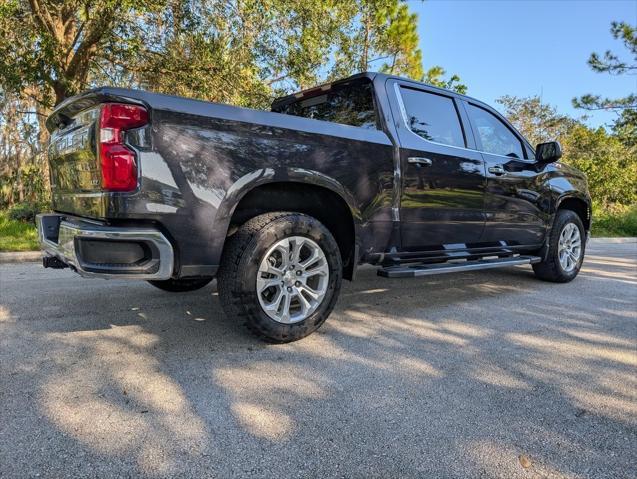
x: 280, y: 206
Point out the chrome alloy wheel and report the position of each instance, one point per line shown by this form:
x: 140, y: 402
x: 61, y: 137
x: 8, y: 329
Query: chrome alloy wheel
x: 570, y: 247
x: 292, y: 279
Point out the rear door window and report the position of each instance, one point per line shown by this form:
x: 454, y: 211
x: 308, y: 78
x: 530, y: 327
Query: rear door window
x: 433, y: 117
x: 493, y: 135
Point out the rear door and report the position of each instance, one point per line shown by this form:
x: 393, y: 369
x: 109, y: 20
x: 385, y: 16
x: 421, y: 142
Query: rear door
x: 443, y: 180
x: 513, y: 203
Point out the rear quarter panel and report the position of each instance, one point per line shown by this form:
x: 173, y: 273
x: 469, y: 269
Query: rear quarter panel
x: 205, y: 157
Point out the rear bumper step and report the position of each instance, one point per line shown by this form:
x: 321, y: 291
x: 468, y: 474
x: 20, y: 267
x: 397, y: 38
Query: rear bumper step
x: 96, y: 250
x: 412, y: 271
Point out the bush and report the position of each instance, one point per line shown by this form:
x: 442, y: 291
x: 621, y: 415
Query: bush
x: 615, y: 220
x: 611, y: 167
x: 26, y: 212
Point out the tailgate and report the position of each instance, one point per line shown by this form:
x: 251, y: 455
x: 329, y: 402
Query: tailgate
x: 93, y: 150
x: 73, y: 156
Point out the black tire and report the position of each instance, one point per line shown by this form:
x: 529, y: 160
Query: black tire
x: 551, y: 269
x: 180, y: 285
x: 236, y: 280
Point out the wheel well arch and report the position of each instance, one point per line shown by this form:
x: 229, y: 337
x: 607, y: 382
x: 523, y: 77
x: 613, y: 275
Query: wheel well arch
x: 320, y: 202
x: 580, y: 207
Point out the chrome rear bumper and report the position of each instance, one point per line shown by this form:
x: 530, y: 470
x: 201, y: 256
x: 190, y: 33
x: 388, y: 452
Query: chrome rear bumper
x: 77, y: 243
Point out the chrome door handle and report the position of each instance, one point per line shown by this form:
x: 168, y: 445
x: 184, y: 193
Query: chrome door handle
x: 416, y: 160
x: 497, y: 170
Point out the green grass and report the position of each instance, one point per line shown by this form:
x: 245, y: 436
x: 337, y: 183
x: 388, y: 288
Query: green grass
x: 618, y: 221
x: 17, y: 235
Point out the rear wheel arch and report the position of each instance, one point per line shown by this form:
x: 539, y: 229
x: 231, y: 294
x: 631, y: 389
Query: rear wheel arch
x: 320, y: 202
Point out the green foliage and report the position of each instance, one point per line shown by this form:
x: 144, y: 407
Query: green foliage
x: 435, y: 76
x: 537, y: 121
x: 625, y: 127
x: 610, y: 160
x: 610, y: 166
x: 614, y: 221
x: 49, y: 49
x: 24, y: 183
x: 17, y: 235
x: 26, y: 211
x: 625, y: 107
x: 611, y: 63
x: 243, y: 52
x: 400, y: 41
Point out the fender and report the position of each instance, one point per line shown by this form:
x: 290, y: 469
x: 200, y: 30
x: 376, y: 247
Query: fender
x: 578, y: 195
x: 573, y: 194
x: 557, y: 202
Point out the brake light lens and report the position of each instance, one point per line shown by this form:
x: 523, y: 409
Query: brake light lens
x: 119, y: 169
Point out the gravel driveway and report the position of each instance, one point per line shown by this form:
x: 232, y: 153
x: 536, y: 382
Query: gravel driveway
x: 491, y: 374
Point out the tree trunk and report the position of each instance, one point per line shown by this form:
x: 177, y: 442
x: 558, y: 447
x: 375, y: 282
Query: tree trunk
x: 43, y: 140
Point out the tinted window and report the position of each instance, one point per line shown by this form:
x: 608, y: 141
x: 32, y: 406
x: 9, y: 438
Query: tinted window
x: 530, y: 153
x: 351, y: 104
x: 494, y: 135
x: 434, y: 117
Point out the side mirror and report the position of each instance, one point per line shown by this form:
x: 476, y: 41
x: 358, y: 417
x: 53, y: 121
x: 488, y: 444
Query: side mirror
x: 548, y: 152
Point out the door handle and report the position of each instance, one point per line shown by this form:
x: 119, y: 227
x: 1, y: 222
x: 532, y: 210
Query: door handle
x: 418, y: 161
x: 497, y: 170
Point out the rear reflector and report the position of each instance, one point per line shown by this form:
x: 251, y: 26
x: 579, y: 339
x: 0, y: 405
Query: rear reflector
x: 119, y: 169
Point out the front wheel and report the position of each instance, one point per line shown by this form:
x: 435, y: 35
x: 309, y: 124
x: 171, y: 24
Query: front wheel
x: 565, y: 249
x: 281, y: 273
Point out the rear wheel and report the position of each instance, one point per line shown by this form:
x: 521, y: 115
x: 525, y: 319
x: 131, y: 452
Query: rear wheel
x: 566, y: 249
x: 281, y: 274
x: 180, y: 285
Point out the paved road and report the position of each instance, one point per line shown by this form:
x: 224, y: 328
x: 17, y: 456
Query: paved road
x: 449, y: 376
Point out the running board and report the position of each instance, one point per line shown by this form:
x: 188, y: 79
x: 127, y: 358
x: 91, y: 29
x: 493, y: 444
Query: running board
x: 415, y: 270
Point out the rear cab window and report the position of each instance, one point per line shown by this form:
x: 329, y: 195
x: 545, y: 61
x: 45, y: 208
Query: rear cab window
x: 351, y: 104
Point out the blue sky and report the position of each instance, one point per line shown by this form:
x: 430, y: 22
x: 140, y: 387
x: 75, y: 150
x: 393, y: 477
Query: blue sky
x: 525, y: 48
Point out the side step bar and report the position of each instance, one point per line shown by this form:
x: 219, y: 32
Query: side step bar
x: 414, y: 270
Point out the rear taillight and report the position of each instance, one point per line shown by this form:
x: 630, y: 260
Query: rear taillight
x: 119, y: 170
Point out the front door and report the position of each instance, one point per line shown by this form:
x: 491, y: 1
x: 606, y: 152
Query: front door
x: 442, y: 197
x: 513, y: 199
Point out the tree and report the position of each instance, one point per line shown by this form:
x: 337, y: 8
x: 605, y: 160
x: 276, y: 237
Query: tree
x: 610, y: 166
x: 242, y: 52
x: 537, y: 121
x: 386, y: 40
x: 236, y: 51
x: 626, y: 107
x: 435, y: 76
x: 48, y: 49
x: 21, y: 177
